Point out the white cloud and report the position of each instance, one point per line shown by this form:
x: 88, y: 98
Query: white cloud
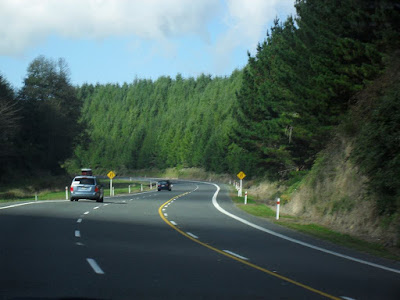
x: 25, y: 23
x: 248, y: 22
x: 161, y: 25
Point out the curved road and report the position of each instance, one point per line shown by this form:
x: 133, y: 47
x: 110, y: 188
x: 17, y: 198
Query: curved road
x: 191, y: 243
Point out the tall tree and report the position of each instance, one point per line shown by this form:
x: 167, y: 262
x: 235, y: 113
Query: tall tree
x: 298, y: 85
x: 50, y: 114
x: 9, y: 126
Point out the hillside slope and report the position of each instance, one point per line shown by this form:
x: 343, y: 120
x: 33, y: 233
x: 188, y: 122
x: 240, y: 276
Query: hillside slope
x: 357, y: 193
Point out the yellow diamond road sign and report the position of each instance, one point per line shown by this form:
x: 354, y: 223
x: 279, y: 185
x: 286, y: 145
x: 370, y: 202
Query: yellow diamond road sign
x: 241, y: 175
x: 111, y: 174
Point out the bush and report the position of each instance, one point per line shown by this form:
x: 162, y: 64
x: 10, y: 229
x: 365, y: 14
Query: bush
x: 377, y: 150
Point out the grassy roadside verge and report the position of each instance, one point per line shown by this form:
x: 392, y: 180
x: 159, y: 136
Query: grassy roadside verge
x: 57, y: 191
x: 261, y: 210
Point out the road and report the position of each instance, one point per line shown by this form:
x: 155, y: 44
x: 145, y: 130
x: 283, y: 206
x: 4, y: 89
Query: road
x: 190, y: 243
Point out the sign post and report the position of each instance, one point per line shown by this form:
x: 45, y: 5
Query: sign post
x: 241, y: 175
x: 111, y: 175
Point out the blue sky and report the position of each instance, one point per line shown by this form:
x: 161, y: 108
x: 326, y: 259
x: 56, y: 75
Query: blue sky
x: 116, y: 41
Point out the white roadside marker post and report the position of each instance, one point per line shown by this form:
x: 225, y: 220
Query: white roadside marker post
x: 245, y: 197
x: 129, y: 189
x: 278, y: 203
x: 66, y: 193
x: 141, y: 187
x: 111, y: 188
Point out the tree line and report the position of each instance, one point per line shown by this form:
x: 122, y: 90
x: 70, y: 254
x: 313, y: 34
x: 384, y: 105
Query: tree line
x: 39, y: 122
x: 166, y: 123
x: 269, y: 119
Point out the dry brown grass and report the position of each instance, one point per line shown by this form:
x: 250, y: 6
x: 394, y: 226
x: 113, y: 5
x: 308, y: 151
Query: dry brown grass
x: 336, y: 197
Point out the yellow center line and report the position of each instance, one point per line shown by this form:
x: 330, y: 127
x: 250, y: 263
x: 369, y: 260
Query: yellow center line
x: 236, y: 258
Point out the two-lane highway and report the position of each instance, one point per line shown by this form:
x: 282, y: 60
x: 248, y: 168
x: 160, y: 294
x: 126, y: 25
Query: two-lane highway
x: 173, y: 245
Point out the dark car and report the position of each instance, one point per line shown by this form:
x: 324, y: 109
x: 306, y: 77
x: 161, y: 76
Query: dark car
x: 164, y: 185
x: 87, y: 187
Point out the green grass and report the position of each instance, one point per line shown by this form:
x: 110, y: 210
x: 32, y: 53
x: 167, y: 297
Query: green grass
x: 27, y: 193
x: 240, y: 200
x: 259, y: 210
x: 254, y: 207
x: 341, y: 239
x: 30, y: 197
x: 262, y: 210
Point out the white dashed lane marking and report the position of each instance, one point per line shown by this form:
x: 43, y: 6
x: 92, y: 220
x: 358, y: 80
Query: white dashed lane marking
x: 192, y: 235
x: 236, y: 255
x: 96, y: 268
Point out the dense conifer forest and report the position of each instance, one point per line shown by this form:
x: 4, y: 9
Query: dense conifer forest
x: 270, y: 119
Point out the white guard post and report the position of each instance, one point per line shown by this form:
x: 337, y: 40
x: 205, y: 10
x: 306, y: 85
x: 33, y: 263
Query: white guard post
x: 278, y: 203
x: 245, y: 197
x: 66, y: 193
x: 111, y: 188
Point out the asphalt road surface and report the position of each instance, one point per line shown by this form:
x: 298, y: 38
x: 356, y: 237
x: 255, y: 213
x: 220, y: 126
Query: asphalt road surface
x: 190, y: 243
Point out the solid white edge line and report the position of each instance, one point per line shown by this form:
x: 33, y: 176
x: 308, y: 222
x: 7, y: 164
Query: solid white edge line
x: 96, y: 268
x: 192, y: 235
x: 217, y: 206
x: 237, y: 255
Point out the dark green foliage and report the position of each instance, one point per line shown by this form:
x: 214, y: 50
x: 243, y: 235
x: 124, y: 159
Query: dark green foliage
x: 298, y: 85
x: 165, y: 123
x: 9, y: 125
x: 50, y: 110
x: 377, y: 150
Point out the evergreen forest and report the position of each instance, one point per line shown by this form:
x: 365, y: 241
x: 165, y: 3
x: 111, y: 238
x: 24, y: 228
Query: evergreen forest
x: 269, y: 119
